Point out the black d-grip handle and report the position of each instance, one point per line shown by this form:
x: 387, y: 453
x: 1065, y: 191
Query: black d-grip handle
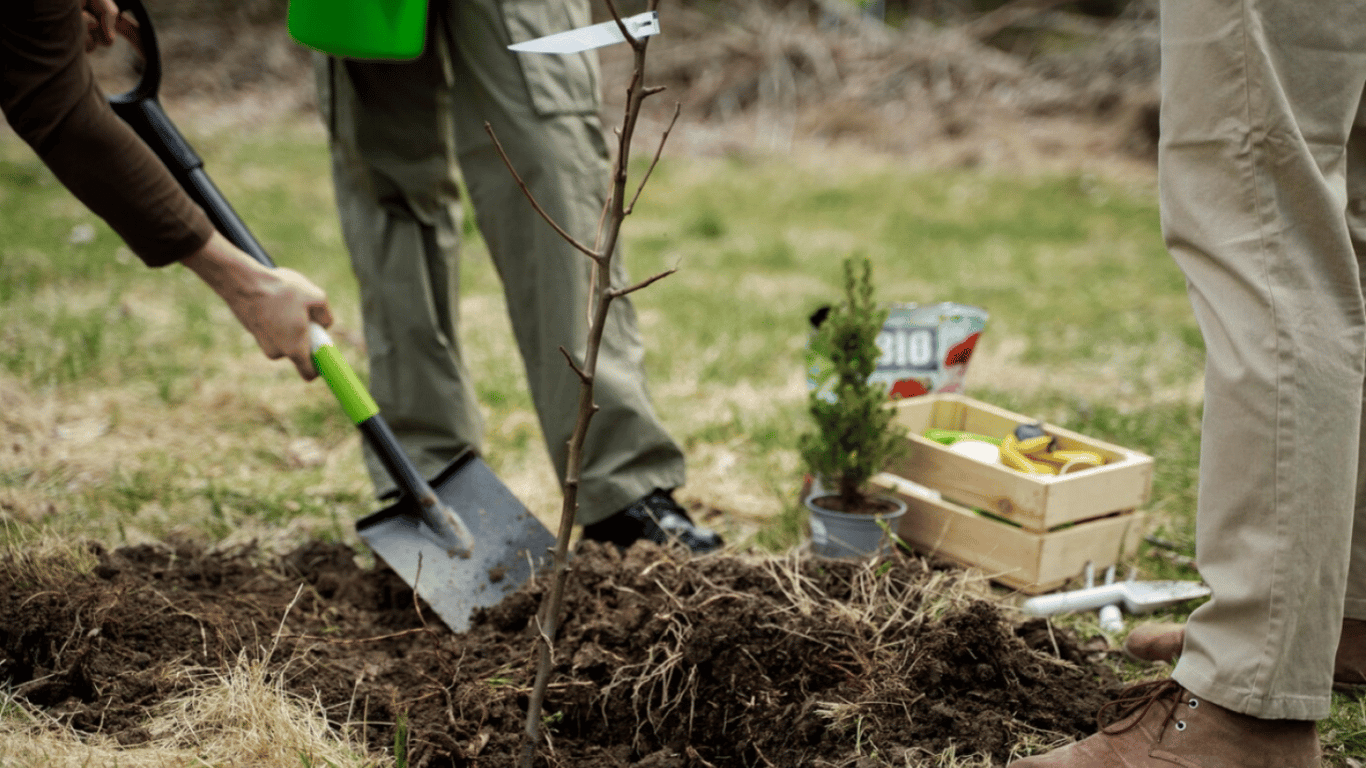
x: 150, y: 82
x: 142, y: 111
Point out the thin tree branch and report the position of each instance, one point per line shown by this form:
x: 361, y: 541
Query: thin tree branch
x: 357, y: 641
x: 545, y: 636
x: 589, y: 252
x: 583, y: 377
x: 597, y: 245
x: 617, y: 293
x: 602, y: 220
x: 678, y: 108
x: 635, y: 44
x: 417, y: 607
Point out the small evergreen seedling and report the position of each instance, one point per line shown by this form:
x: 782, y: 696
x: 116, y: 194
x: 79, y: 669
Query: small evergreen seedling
x: 854, y: 437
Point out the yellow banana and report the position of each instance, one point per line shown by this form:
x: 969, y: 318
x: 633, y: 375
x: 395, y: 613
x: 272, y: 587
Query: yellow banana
x: 1030, y: 450
x: 1014, y: 456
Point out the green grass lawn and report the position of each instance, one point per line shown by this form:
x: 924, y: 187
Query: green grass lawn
x: 1089, y: 328
x: 136, y: 408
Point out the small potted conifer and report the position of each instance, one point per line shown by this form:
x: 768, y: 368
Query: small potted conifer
x: 854, y: 436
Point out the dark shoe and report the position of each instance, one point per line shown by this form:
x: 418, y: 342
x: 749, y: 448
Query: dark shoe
x: 1162, y: 725
x: 1162, y: 642
x: 656, y: 517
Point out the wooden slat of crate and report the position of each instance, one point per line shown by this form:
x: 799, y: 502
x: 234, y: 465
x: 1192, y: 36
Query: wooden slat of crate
x: 1037, y: 502
x: 1029, y: 561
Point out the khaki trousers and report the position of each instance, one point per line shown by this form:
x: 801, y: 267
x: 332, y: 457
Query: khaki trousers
x: 399, y: 132
x: 1262, y: 165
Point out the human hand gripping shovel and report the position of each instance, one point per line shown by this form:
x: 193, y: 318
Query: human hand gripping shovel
x: 461, y: 541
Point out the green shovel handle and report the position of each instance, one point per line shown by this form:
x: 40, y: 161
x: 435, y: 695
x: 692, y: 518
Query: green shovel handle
x: 450, y: 531
x: 341, y: 378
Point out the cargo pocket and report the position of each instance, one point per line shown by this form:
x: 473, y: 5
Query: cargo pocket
x: 559, y: 84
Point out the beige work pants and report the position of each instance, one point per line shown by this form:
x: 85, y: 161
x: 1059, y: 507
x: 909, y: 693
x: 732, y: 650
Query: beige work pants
x: 1263, y: 184
x: 399, y: 131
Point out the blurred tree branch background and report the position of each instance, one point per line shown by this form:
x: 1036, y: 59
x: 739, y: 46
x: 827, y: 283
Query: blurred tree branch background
x: 894, y: 75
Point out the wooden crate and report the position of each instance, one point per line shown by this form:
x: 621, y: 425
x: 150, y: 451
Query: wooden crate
x: 1025, y: 560
x: 1040, y: 530
x: 1038, y: 503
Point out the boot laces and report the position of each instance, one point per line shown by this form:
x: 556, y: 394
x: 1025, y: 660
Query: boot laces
x: 1138, y: 698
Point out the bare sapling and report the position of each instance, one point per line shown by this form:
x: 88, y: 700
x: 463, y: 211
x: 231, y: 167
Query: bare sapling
x: 601, y: 295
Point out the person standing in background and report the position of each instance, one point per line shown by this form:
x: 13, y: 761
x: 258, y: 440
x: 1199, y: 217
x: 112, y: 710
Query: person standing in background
x: 400, y: 132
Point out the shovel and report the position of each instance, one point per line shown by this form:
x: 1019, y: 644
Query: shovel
x: 461, y: 541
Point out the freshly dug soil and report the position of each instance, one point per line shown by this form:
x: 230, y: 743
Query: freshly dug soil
x: 729, y: 660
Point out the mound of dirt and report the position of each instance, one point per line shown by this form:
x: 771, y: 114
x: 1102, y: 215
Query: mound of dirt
x: 719, y: 661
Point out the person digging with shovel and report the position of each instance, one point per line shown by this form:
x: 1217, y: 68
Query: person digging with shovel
x: 1262, y: 174
x: 50, y: 98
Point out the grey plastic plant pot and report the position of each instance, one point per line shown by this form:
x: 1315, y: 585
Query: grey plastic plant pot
x: 841, y: 534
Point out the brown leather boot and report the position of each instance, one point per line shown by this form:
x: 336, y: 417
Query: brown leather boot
x: 1156, y: 641
x: 1164, y: 725
x: 1162, y: 642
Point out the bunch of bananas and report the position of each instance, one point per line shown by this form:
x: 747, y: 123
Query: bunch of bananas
x: 1028, y: 449
x: 1031, y: 450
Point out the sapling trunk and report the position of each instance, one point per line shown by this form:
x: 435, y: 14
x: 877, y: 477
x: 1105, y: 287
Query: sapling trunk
x: 602, y: 293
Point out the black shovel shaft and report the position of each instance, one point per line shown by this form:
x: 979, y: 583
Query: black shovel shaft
x: 381, y: 439
x: 147, y: 118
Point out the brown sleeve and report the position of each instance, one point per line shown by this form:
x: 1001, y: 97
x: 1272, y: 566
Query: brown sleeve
x: 49, y: 96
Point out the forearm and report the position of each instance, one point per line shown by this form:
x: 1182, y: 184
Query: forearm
x: 275, y: 304
x: 230, y: 273
x: 128, y: 187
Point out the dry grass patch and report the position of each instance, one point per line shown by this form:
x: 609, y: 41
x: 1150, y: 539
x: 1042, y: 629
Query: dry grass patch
x: 241, y: 717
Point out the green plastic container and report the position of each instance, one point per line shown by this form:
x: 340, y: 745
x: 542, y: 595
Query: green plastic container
x: 360, y: 29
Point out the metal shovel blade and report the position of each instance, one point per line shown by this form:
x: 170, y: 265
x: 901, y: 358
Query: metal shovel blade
x: 510, y: 544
